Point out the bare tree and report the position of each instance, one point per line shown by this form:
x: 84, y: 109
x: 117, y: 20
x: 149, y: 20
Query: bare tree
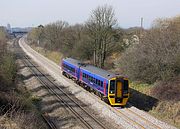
x: 3, y: 40
x: 100, y: 27
x: 53, y: 34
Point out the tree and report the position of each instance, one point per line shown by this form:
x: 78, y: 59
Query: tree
x: 3, y: 39
x: 100, y: 28
x: 54, y: 34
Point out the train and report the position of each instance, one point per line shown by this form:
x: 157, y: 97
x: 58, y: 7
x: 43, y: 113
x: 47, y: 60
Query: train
x: 110, y: 87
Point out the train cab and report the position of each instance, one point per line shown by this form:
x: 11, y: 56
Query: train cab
x: 118, y: 92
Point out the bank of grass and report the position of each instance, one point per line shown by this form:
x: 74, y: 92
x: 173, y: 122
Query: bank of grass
x: 52, y: 55
x: 141, y: 87
x: 17, y: 105
x: 143, y: 97
x: 168, y: 111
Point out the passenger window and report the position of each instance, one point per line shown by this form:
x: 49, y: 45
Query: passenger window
x: 89, y: 78
x: 96, y: 81
x: 126, y: 85
x: 101, y: 84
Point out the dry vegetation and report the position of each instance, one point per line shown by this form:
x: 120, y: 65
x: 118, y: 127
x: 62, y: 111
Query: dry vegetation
x: 17, y: 110
x: 52, y: 55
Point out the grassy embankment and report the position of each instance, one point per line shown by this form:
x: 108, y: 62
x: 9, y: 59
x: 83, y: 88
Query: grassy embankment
x: 17, y: 105
x: 52, y: 55
x: 161, y: 108
x: 141, y: 96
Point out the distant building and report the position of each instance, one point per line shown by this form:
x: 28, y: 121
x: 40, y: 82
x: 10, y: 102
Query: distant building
x: 9, y: 30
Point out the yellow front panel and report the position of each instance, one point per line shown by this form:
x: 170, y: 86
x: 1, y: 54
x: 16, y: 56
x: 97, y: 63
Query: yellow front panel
x: 119, y: 89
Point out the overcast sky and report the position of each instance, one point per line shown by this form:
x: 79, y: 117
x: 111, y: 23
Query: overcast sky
x: 128, y: 12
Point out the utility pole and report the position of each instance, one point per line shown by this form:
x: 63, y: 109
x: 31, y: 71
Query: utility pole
x: 141, y: 22
x: 141, y: 30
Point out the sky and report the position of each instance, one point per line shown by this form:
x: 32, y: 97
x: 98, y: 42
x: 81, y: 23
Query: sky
x: 25, y: 13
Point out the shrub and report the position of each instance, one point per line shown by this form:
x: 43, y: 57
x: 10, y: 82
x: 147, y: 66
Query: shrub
x: 168, y: 90
x: 156, y: 57
x: 7, y: 70
x: 168, y: 111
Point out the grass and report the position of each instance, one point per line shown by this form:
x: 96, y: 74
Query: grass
x: 52, y: 55
x: 167, y: 111
x: 141, y: 87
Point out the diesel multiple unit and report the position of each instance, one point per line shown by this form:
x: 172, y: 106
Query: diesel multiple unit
x: 107, y: 85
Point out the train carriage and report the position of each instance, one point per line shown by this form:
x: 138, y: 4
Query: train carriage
x: 70, y: 68
x: 105, y: 84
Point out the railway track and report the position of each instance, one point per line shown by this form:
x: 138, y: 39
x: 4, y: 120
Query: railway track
x: 139, y: 121
x: 144, y: 119
x: 50, y: 124
x: 88, y: 121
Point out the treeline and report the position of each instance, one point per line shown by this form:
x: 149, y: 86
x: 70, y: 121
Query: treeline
x: 95, y: 40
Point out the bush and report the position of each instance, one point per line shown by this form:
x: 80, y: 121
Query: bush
x: 7, y: 70
x: 168, y: 90
x: 156, y: 57
x: 168, y: 111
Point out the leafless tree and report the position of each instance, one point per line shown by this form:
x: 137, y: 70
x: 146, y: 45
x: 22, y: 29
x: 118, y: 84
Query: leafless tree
x: 3, y: 39
x: 53, y: 34
x: 100, y: 27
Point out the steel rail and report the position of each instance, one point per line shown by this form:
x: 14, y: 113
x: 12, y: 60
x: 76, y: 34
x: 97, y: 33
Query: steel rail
x: 65, y: 103
x: 48, y: 122
x: 144, y: 119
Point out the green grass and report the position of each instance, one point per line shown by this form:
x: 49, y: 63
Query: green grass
x: 141, y: 87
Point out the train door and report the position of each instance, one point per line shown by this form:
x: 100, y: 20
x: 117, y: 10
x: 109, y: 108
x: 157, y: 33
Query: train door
x: 79, y: 73
x: 118, y: 89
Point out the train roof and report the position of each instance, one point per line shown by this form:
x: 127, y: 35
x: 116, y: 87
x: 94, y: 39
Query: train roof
x: 101, y: 72
x: 73, y: 61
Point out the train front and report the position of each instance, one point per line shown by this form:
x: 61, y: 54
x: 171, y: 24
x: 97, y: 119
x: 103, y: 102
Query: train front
x: 118, y: 91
